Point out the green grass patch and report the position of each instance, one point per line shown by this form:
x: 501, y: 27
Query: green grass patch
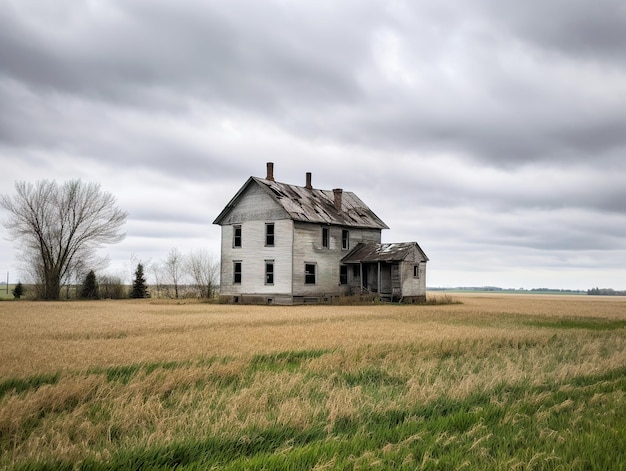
x: 496, y: 429
x: 209, y: 453
x: 289, y: 360
x: 6, y: 293
x: 440, y: 300
x: 166, y: 365
x: 588, y: 323
x: 124, y: 373
x: 19, y: 385
x: 370, y: 377
x: 521, y: 425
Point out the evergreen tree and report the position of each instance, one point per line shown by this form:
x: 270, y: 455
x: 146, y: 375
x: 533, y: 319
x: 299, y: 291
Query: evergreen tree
x: 18, y: 291
x: 140, y: 290
x: 89, y: 290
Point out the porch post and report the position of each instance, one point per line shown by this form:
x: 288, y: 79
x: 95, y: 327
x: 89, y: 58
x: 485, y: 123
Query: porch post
x: 379, y: 278
x: 361, y: 269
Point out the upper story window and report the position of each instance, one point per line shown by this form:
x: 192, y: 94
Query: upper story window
x: 309, y: 273
x: 237, y: 236
x: 325, y: 237
x: 345, y: 239
x: 269, y: 234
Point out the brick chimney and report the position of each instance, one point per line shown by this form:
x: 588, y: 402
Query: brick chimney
x: 338, y: 193
x: 308, y: 181
x: 270, y: 171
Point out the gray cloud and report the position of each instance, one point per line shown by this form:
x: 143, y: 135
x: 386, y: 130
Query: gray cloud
x: 577, y: 28
x: 469, y: 126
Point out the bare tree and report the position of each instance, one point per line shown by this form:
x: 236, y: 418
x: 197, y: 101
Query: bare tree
x: 203, y: 270
x: 157, y: 270
x: 111, y: 287
x: 56, y: 226
x: 173, y: 269
x: 73, y: 275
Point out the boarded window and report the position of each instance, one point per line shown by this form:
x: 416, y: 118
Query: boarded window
x: 345, y: 239
x: 343, y: 275
x: 309, y: 273
x: 269, y: 234
x: 325, y: 242
x: 237, y: 272
x: 269, y: 272
x: 236, y: 236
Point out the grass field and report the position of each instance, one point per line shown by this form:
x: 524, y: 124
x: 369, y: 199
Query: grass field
x: 6, y: 294
x: 497, y: 382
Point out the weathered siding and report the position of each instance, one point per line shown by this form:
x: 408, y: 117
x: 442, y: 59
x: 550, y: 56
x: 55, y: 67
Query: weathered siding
x: 255, y: 205
x: 391, y: 278
x: 412, y: 286
x: 308, y: 249
x: 253, y: 253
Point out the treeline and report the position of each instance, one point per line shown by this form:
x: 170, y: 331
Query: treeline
x: 192, y: 275
x: 180, y: 275
x: 556, y: 290
x: 605, y: 292
x: 58, y: 227
x: 509, y: 290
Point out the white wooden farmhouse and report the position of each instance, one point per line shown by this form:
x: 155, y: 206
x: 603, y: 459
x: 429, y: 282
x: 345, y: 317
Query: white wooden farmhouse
x: 289, y: 244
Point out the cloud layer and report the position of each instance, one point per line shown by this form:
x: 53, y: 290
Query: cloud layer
x: 492, y: 133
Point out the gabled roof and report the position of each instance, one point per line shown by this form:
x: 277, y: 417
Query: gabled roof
x: 394, y: 252
x: 312, y: 205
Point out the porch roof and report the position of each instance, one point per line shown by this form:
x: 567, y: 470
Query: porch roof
x: 390, y: 252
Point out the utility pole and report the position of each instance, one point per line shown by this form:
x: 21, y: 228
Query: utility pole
x: 7, y: 282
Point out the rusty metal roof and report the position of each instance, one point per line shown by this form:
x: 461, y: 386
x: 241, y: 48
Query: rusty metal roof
x: 390, y: 252
x: 314, y: 205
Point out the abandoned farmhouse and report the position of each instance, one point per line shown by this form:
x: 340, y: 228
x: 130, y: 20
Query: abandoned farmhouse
x: 288, y: 244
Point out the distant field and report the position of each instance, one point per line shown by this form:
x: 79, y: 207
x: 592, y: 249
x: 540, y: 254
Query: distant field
x: 497, y: 382
x: 510, y: 291
x: 4, y: 294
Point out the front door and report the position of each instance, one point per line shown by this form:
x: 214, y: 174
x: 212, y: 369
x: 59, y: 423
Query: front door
x: 385, y: 279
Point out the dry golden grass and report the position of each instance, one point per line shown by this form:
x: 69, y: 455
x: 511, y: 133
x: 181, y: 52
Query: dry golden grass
x: 142, y: 373
x: 36, y: 337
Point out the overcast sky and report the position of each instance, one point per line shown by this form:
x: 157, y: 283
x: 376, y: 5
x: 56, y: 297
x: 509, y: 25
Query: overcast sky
x: 492, y: 133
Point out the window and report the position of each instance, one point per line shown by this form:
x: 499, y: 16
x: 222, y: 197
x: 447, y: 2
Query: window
x: 237, y: 272
x: 309, y: 273
x: 416, y: 271
x: 269, y: 272
x: 325, y: 231
x: 237, y: 236
x: 343, y: 275
x: 345, y: 239
x: 269, y: 234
